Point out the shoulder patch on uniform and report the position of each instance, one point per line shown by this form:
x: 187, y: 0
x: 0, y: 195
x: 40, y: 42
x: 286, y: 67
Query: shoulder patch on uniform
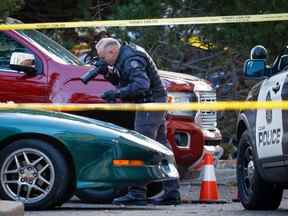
x: 134, y: 64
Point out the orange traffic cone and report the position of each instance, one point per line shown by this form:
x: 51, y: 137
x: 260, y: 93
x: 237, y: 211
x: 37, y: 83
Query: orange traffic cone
x: 209, y: 188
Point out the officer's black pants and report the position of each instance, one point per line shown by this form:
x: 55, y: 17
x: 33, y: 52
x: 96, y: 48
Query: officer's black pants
x: 152, y: 124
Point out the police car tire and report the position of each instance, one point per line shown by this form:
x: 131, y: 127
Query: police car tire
x: 264, y: 196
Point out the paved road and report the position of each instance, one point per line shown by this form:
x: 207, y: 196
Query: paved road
x: 189, y: 192
x: 231, y: 209
x: 74, y: 208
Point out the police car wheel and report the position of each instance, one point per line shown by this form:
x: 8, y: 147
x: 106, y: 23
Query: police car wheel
x: 254, y: 193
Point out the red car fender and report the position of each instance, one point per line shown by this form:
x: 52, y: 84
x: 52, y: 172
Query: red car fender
x: 185, y: 156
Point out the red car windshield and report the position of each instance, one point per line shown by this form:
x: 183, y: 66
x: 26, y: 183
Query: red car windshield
x: 50, y: 47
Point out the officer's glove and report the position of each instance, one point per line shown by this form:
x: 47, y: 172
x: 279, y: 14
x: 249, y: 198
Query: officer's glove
x: 111, y: 95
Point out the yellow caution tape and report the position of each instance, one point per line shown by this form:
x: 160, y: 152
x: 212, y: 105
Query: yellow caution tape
x: 209, y: 106
x: 152, y: 22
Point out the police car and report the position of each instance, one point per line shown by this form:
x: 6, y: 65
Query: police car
x: 262, y: 135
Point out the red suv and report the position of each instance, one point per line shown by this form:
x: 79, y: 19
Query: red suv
x: 54, y: 78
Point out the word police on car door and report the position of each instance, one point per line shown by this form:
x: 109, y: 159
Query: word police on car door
x: 269, y: 125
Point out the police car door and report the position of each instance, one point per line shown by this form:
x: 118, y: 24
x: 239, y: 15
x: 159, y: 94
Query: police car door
x: 269, y: 124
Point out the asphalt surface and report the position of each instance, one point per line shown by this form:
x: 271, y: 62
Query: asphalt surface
x: 190, y: 189
x: 228, y: 209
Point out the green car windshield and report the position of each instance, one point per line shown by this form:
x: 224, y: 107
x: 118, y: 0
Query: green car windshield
x: 50, y: 47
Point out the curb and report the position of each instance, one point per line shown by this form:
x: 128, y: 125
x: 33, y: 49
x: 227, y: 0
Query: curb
x: 11, y: 208
x: 226, y: 164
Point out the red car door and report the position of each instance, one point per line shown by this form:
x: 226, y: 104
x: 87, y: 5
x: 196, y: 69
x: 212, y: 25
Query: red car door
x: 15, y: 85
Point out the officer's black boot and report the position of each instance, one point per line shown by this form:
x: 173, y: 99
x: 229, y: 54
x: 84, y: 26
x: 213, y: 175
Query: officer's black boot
x: 136, y: 196
x: 171, y: 194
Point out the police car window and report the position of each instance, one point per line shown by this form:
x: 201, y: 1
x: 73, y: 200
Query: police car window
x: 7, y: 47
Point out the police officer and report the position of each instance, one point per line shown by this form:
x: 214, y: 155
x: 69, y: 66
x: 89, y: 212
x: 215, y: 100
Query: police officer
x: 138, y: 81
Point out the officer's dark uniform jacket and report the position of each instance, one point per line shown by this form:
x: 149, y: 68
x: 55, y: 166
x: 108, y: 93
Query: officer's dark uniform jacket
x: 140, y: 81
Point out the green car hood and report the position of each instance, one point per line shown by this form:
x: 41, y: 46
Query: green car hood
x: 65, y: 116
x: 129, y: 135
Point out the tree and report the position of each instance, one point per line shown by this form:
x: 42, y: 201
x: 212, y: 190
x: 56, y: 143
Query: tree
x: 242, y: 37
x: 63, y: 10
x: 8, y: 7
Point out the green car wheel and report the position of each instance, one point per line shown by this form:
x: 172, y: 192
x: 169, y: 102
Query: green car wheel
x: 33, y: 172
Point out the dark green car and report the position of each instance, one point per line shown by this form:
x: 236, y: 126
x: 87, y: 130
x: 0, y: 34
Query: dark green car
x: 46, y: 156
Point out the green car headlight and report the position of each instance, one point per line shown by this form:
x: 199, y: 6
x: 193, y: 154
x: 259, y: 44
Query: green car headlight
x: 140, y: 139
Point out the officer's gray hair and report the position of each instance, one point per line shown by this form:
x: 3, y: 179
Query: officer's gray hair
x: 104, y: 43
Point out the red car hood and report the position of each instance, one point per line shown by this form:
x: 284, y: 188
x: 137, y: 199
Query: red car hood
x: 173, y: 81
x: 181, y: 82
x: 69, y: 88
